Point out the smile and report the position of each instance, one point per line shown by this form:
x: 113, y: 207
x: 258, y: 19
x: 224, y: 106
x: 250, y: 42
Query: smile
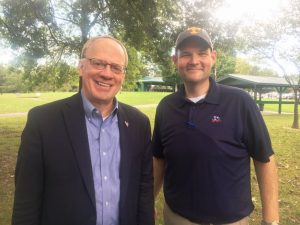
x: 103, y: 84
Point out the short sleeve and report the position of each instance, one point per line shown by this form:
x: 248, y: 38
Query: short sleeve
x: 256, y: 135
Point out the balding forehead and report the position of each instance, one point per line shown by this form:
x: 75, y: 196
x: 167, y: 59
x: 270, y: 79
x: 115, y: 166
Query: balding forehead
x: 105, y: 37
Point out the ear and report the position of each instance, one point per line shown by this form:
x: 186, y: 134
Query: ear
x: 214, y: 56
x: 80, y: 68
x: 175, y: 59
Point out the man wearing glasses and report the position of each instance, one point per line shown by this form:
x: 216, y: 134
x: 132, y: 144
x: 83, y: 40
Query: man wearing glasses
x: 85, y: 159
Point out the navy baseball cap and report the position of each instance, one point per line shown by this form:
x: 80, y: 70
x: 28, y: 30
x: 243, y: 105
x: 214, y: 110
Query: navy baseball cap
x: 193, y: 32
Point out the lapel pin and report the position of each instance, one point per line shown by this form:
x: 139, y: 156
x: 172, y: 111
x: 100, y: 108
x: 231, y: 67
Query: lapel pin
x: 126, y: 123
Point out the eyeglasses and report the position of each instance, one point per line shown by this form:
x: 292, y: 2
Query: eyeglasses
x: 101, y: 65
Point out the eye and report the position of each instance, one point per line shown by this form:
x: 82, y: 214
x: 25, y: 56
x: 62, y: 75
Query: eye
x: 185, y: 54
x: 203, y: 53
x: 98, y: 63
x: 117, y: 68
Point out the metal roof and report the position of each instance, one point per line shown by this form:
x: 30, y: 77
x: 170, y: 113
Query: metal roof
x: 244, y: 81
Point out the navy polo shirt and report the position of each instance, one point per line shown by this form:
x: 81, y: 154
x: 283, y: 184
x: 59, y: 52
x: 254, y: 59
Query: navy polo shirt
x: 207, y: 148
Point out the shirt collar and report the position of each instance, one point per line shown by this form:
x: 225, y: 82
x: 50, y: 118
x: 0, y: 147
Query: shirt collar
x: 89, y: 108
x: 212, y: 97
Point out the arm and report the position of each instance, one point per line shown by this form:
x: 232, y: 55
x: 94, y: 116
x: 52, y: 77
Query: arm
x: 159, y: 172
x: 268, y: 185
x: 29, y: 176
x: 146, y: 199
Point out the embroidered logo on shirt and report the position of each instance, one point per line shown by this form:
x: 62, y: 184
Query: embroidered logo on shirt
x: 216, y: 119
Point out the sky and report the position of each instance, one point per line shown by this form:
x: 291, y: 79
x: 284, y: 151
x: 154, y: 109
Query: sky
x: 263, y: 10
x: 6, y: 55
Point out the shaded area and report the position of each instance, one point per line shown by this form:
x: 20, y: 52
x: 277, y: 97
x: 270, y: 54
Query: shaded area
x: 258, y: 84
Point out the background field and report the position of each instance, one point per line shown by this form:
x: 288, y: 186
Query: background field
x: 286, y: 143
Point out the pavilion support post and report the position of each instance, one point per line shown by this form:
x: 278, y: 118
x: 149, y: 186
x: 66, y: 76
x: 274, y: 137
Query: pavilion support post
x: 280, y: 101
x: 261, y: 105
x: 255, y: 93
x: 280, y: 90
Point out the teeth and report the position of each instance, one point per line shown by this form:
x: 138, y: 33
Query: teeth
x: 103, y: 84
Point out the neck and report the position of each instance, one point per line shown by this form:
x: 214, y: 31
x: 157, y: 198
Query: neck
x: 105, y: 109
x: 196, y: 89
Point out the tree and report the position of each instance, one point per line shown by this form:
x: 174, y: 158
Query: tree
x: 242, y: 66
x: 279, y: 42
x: 11, y: 79
x: 201, y: 13
x: 54, y: 29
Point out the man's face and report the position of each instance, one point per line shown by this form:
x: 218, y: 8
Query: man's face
x: 194, y: 61
x: 100, y: 86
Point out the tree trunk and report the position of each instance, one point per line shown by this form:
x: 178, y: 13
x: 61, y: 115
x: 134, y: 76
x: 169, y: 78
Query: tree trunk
x: 296, y: 115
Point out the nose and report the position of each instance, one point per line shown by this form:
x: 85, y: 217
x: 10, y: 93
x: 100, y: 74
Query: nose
x: 194, y: 59
x: 106, y: 72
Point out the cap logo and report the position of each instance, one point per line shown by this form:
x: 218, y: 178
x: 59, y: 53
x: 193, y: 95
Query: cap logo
x: 194, y: 30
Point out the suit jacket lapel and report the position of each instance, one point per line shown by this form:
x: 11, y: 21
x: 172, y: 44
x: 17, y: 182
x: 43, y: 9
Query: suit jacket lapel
x: 74, y: 117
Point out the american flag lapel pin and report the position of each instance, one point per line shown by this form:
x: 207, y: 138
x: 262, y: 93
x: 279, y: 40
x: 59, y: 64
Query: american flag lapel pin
x: 126, y: 123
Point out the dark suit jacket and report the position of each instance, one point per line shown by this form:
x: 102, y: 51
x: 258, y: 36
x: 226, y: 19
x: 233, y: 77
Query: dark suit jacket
x: 54, y: 181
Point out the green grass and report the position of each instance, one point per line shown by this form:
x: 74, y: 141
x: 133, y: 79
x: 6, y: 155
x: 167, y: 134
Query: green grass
x: 286, y: 143
x: 12, y: 103
x: 10, y: 130
x: 288, y: 108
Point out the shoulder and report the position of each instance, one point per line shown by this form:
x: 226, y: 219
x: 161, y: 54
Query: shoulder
x: 170, y: 99
x: 237, y: 98
x: 55, y: 106
x: 233, y: 92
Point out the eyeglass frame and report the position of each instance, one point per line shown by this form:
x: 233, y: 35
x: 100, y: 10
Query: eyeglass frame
x: 104, y: 64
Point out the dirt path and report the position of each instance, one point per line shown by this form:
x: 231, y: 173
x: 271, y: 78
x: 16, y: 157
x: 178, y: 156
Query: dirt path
x: 7, y: 115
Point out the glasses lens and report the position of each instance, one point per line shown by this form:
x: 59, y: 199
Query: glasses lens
x: 116, y: 68
x: 100, y: 65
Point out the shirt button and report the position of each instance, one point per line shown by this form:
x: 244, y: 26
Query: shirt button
x: 102, y: 130
x: 105, y: 177
x: 106, y: 203
x: 104, y: 153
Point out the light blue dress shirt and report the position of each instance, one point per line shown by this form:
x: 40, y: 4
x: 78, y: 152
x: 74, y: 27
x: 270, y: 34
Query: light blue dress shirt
x: 104, y: 143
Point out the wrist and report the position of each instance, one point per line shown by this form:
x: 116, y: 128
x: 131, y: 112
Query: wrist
x: 269, y: 223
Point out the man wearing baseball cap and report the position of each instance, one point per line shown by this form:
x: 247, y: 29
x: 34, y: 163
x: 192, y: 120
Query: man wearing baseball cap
x: 204, y: 137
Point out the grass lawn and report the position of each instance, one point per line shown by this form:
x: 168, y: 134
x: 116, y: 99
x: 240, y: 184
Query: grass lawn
x: 12, y: 103
x: 287, y: 108
x: 286, y: 144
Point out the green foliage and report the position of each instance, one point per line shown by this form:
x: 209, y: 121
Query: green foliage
x: 244, y: 67
x: 53, y: 29
x: 133, y: 71
x: 200, y: 13
x: 225, y: 62
x: 11, y: 79
x: 51, y: 77
x: 278, y: 41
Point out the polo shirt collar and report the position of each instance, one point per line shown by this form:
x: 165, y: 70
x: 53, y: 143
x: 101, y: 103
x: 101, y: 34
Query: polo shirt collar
x: 212, y: 97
